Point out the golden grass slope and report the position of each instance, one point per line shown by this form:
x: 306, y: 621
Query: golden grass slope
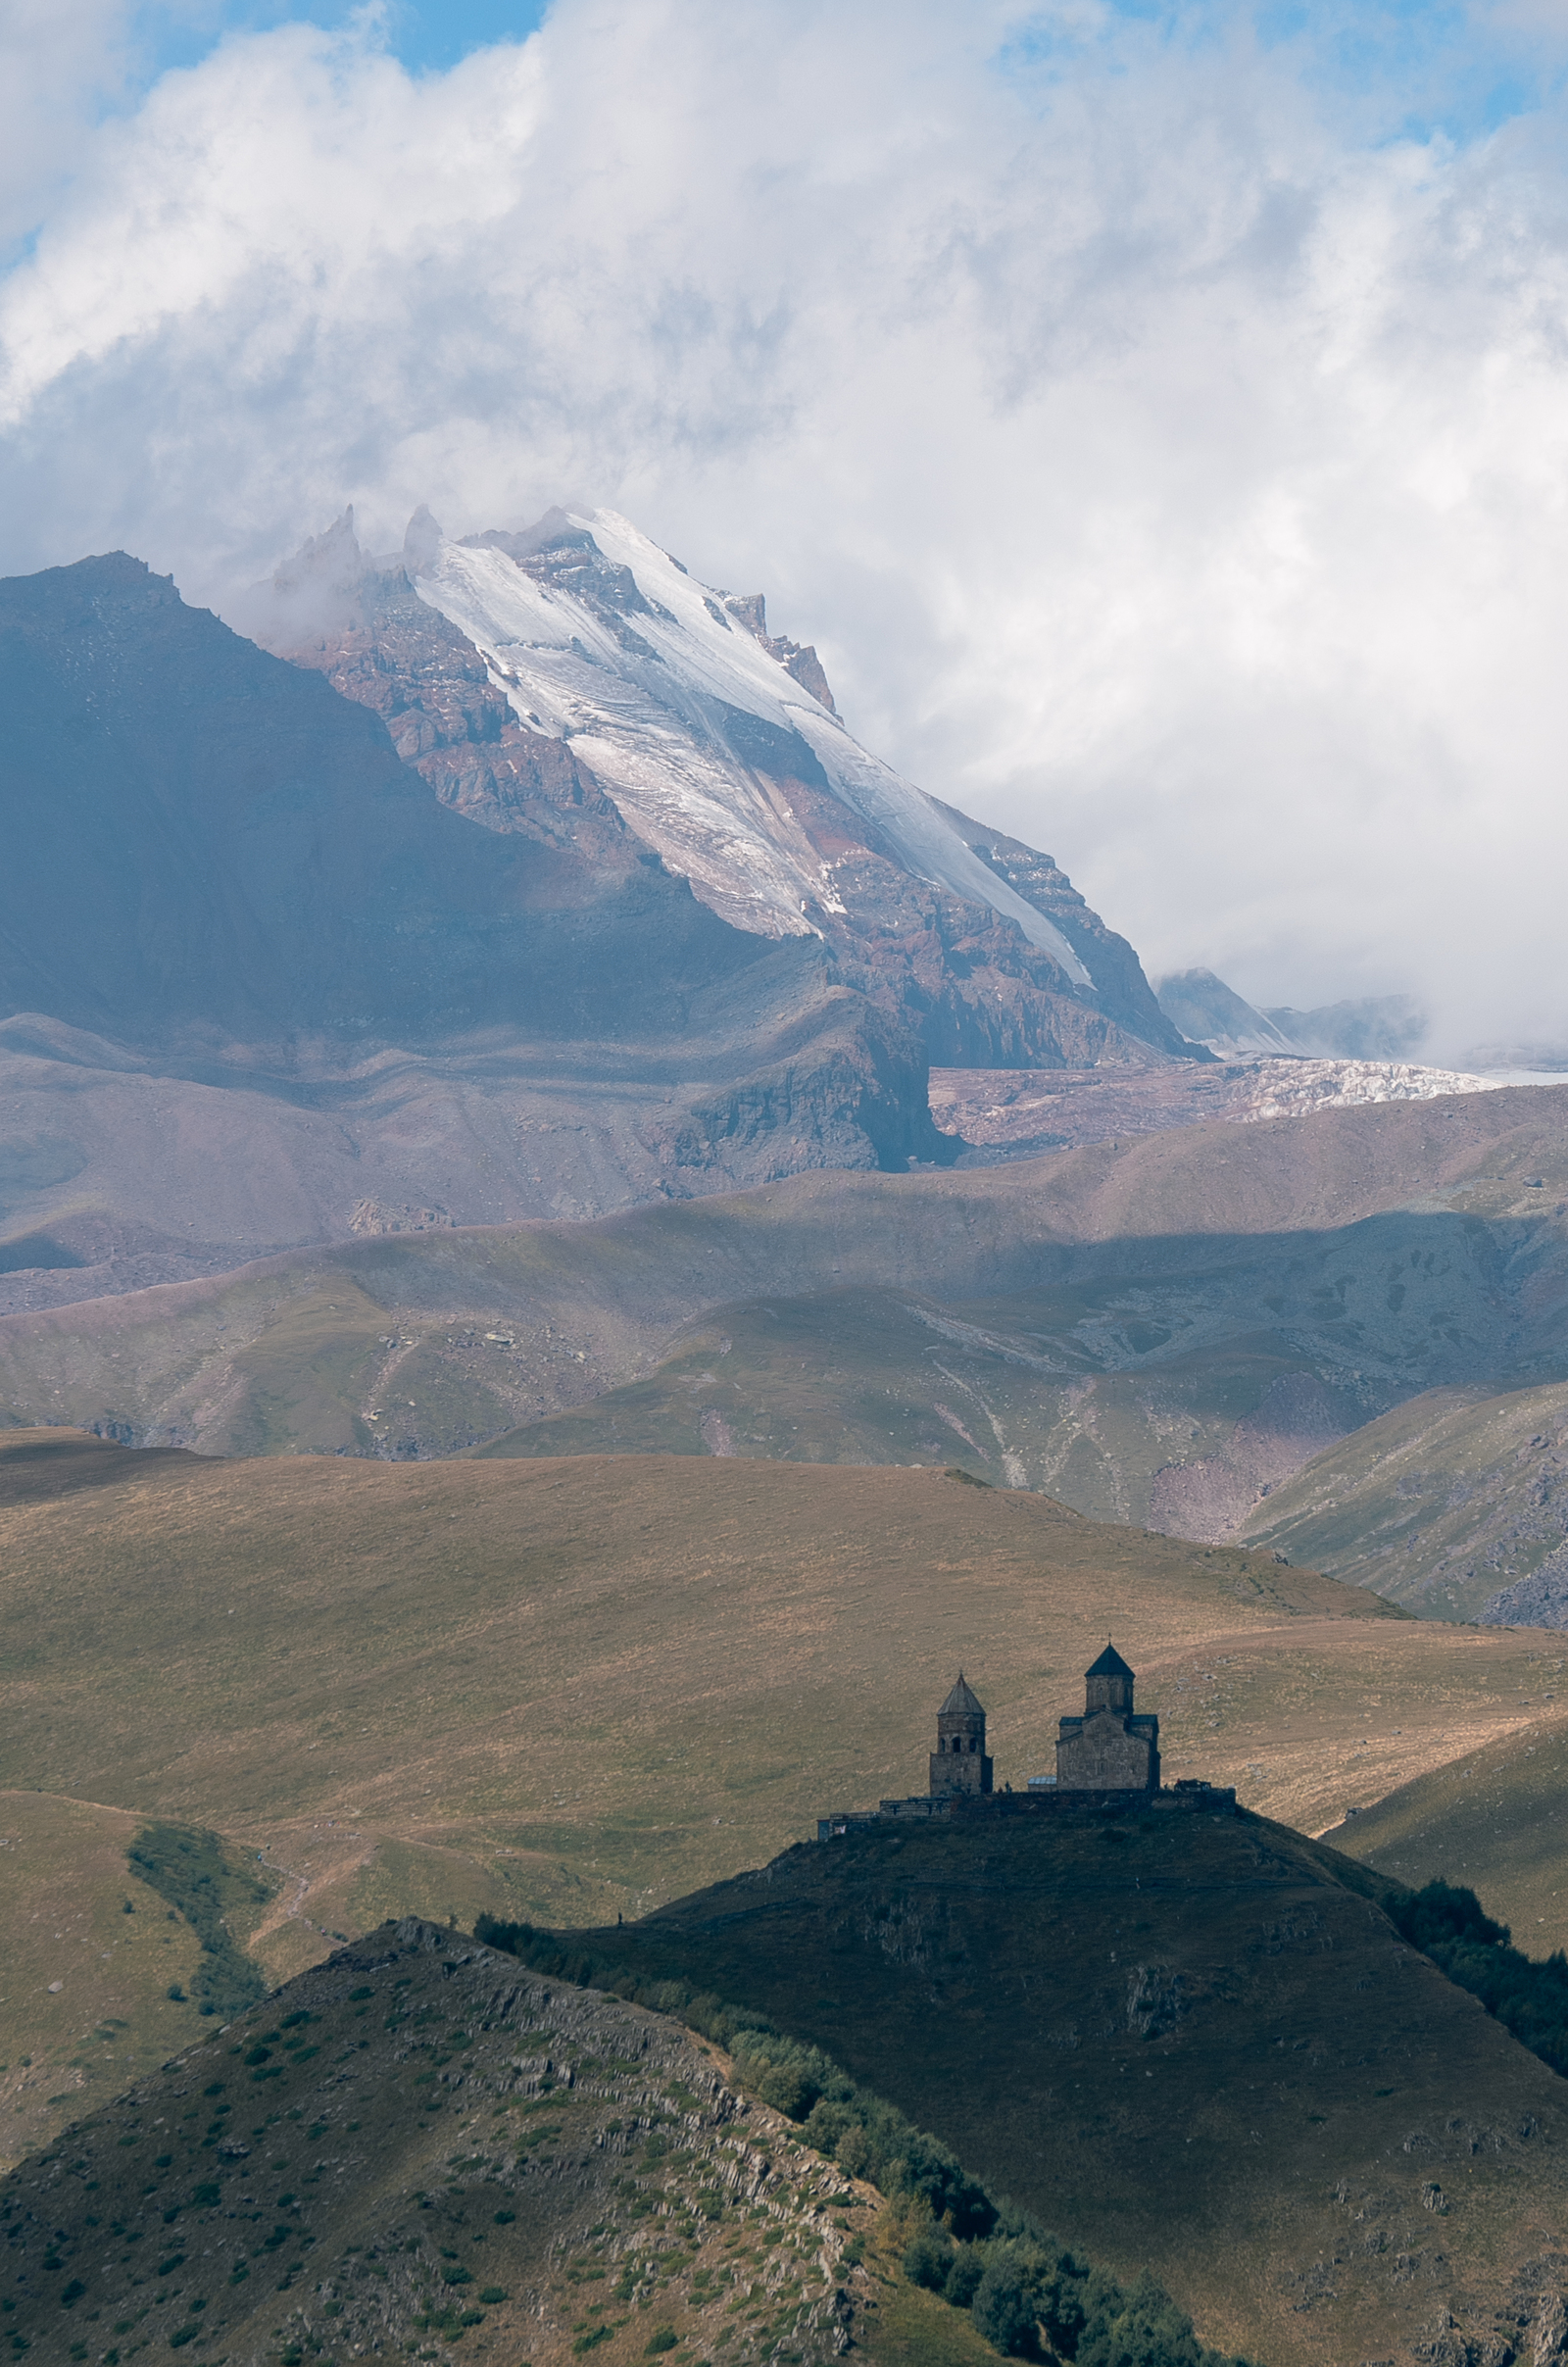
x: 554, y: 1689
x: 85, y: 2004
x: 1491, y: 1819
x: 417, y: 2141
x: 1190, y: 2041
x: 609, y: 1676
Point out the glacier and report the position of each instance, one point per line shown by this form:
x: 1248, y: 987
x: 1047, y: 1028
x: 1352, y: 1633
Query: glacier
x: 644, y: 694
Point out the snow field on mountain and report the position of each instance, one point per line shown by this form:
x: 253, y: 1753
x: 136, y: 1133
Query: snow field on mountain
x: 638, y: 707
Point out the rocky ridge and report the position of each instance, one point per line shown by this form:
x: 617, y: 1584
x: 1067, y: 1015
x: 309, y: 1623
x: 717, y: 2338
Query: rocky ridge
x: 1019, y: 1114
x: 414, y: 2140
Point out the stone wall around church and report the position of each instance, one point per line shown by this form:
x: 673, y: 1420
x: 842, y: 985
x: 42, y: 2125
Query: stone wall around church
x: 1191, y: 1797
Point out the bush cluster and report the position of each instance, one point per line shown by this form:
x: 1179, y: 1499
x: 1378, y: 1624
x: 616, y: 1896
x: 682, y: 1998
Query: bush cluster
x: 1026, y: 2294
x: 1528, y: 1997
x: 1031, y: 2298
x: 199, y: 1877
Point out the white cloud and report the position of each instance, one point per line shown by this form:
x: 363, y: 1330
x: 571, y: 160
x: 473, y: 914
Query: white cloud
x: 62, y: 59
x: 1171, y: 469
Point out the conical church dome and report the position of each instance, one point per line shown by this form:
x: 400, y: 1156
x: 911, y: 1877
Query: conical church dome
x: 960, y: 1702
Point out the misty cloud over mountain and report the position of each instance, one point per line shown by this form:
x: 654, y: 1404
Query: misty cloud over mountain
x: 1156, y: 426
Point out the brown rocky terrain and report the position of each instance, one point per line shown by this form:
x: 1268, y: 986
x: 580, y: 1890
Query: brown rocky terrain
x: 1020, y: 1112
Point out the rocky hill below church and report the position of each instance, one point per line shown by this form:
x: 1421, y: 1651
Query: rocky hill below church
x: 417, y: 2141
x: 1204, y: 2049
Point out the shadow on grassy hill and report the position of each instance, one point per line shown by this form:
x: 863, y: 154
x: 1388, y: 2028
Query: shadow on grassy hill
x: 205, y: 1881
x: 1208, y: 2051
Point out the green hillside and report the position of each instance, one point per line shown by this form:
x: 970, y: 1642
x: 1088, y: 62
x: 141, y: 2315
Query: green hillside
x: 1490, y: 1818
x: 1439, y: 1505
x: 1046, y: 1389
x: 1089, y: 1319
x: 1194, y: 2043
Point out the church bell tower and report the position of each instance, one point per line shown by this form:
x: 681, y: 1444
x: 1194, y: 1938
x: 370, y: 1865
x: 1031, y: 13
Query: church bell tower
x: 958, y: 1763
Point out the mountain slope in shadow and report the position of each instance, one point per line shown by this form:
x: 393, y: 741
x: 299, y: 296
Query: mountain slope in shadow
x: 259, y: 986
x: 1155, y: 1329
x: 1195, y: 2041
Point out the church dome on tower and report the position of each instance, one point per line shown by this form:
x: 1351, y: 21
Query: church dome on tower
x: 960, y: 1702
x: 1111, y: 1747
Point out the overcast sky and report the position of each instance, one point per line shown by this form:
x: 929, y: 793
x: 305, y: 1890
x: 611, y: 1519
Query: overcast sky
x: 1157, y: 416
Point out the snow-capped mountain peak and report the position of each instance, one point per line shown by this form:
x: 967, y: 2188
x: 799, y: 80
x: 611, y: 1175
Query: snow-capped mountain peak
x: 574, y: 681
x: 596, y: 636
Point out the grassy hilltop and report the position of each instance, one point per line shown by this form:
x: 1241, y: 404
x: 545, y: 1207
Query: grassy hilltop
x: 1194, y: 2043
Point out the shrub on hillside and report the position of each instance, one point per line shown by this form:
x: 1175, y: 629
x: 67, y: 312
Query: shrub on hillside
x: 1004, y: 2308
x: 1444, y: 1912
x: 1528, y: 1998
x: 1023, y: 2289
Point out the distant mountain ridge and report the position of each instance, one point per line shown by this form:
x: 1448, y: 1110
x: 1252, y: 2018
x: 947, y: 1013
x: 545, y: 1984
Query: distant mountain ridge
x: 1375, y: 1027
x: 575, y: 680
x: 548, y: 883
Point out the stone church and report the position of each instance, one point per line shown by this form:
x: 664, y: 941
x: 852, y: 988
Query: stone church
x: 1110, y: 1752
x: 1108, y: 1748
